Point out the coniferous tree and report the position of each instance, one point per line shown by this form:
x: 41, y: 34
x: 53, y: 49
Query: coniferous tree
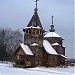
x: 2, y: 45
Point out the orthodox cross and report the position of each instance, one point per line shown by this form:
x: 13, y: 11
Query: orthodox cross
x: 36, y: 3
x: 52, y: 19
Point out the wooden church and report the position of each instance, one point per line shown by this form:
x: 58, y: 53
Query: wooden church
x: 40, y: 49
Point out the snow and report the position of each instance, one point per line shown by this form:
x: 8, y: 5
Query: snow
x: 55, y: 44
x: 52, y: 34
x: 64, y: 46
x: 34, y: 44
x: 63, y: 56
x: 26, y: 49
x: 6, y: 69
x: 33, y: 27
x: 49, y: 49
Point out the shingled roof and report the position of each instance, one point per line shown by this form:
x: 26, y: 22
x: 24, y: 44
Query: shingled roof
x: 35, y: 21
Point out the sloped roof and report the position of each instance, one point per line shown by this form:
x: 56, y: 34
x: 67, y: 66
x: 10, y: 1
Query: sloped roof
x: 26, y: 49
x: 52, y: 34
x: 54, y: 44
x: 63, y: 56
x: 35, y: 21
x: 49, y: 49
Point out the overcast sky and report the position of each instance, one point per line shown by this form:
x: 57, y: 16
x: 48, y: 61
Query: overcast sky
x: 16, y: 14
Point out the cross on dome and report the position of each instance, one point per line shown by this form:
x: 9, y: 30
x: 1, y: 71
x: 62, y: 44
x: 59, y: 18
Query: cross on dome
x: 52, y: 19
x: 52, y: 26
x: 36, y: 9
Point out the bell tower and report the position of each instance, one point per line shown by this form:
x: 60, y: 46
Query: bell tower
x: 33, y: 33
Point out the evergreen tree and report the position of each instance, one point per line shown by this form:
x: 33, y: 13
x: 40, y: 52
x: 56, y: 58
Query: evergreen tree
x: 2, y: 45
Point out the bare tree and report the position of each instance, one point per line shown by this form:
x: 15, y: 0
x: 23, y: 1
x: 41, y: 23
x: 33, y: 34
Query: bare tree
x: 12, y: 40
x: 9, y: 42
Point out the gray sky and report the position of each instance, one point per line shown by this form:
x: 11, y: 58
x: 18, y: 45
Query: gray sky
x: 16, y: 14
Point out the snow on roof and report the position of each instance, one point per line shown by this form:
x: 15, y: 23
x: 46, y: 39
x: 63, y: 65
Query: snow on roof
x: 64, y: 46
x: 34, y: 44
x: 33, y: 27
x: 52, y: 34
x: 63, y: 56
x: 49, y: 49
x: 26, y: 49
x: 54, y: 44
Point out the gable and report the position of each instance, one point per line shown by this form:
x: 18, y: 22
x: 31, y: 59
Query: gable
x: 26, y: 49
x: 23, y: 50
x: 20, y: 51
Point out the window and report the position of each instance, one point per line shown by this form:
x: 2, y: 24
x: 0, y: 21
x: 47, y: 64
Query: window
x: 33, y: 32
x: 37, y: 32
x: 41, y: 32
x: 29, y: 31
x: 26, y: 31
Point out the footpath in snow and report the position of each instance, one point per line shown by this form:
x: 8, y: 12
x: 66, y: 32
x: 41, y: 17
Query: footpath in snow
x: 8, y: 69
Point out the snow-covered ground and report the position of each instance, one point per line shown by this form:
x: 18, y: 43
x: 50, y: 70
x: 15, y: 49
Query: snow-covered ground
x: 8, y: 69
